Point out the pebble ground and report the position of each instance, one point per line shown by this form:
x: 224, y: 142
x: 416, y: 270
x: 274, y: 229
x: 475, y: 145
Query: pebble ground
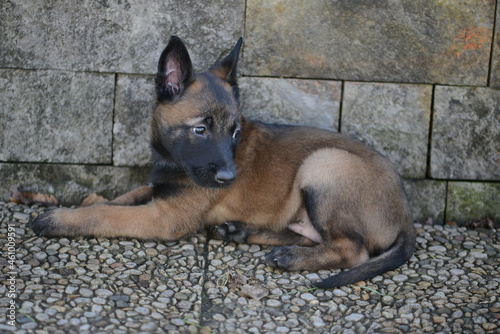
x: 205, y: 285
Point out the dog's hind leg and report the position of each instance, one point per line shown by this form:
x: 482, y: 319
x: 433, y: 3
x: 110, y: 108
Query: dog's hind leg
x: 242, y: 233
x: 341, y: 253
x: 140, y: 195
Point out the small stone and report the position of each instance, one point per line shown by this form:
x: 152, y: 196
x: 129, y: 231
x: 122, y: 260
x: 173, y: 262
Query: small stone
x: 178, y: 322
x: 157, y: 316
x: 400, y: 278
x: 313, y: 277
x: 120, y: 314
x: 103, y: 293
x: 439, y: 249
x: 457, y: 272
x: 354, y: 317
x: 254, y: 248
x: 159, y: 305
x: 40, y: 256
x: 27, y: 326
x: 97, y: 308
x: 242, y: 301
x: 84, y: 292
x: 21, y: 216
x: 42, y: 317
x: 184, y: 305
x: 151, y: 252
x: 387, y: 300
x: 123, y: 298
x: 60, y: 309
x: 489, y: 326
x: 339, y: 293
x: 149, y: 327
x: 438, y: 319
x: 317, y: 321
x: 142, y: 310
x: 99, y: 300
x: 478, y: 255
x: 219, y: 317
x: 308, y: 297
x: 54, y: 246
x: 273, y: 303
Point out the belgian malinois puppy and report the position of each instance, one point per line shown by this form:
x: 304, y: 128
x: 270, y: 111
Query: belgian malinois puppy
x: 325, y: 201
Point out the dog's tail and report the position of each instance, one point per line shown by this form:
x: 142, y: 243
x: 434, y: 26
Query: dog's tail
x: 399, y: 252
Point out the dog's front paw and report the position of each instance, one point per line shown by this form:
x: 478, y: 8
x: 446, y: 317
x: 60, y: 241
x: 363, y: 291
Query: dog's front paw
x: 284, y: 257
x: 234, y: 231
x: 48, y: 224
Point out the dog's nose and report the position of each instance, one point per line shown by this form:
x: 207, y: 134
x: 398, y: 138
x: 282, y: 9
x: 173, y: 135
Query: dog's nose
x: 224, y: 177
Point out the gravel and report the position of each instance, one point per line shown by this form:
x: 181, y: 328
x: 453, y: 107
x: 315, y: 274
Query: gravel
x: 204, y: 285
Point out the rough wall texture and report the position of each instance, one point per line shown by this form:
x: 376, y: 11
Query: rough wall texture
x: 417, y: 80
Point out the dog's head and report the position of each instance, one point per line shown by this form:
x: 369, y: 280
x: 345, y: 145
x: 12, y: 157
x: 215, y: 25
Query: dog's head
x: 196, y: 123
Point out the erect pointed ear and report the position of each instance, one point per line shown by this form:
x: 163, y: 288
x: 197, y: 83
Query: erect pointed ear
x: 226, y: 69
x: 174, y: 71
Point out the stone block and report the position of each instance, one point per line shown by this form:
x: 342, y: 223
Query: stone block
x: 71, y: 183
x: 406, y: 41
x: 495, y: 61
x: 427, y: 200
x: 114, y: 36
x: 392, y: 118
x: 135, y: 96
x: 292, y: 101
x: 466, y: 133
x: 55, y: 116
x: 469, y: 201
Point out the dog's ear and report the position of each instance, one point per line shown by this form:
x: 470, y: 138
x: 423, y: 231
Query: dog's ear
x: 226, y: 69
x: 175, y: 71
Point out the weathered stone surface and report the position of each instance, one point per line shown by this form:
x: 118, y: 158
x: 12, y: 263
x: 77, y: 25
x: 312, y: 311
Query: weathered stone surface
x: 392, y: 118
x: 495, y: 61
x: 114, y: 36
x: 132, y: 126
x: 469, y: 201
x: 427, y: 199
x: 407, y: 41
x: 292, y: 101
x: 466, y: 133
x: 71, y: 183
x: 55, y: 116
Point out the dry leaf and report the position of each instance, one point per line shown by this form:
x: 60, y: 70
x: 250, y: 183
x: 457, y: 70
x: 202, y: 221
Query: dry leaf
x: 28, y: 198
x: 482, y: 223
x: 238, y: 279
x: 247, y: 287
x: 253, y: 291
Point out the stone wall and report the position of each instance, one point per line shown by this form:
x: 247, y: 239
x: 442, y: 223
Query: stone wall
x: 418, y: 80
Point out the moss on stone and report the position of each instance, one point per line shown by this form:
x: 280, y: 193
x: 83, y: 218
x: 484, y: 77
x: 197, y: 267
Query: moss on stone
x: 469, y: 201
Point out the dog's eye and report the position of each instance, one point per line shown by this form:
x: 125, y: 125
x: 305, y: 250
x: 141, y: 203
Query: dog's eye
x: 200, y: 130
x: 236, y: 134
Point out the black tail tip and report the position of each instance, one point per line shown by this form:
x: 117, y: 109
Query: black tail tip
x: 326, y: 284
x: 319, y: 285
